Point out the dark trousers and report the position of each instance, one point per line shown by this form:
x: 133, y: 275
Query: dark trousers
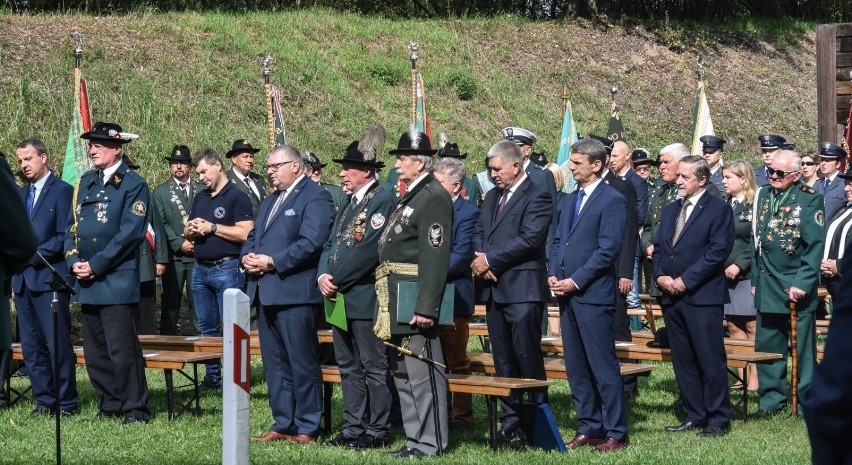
x: 114, y: 359
x: 454, y: 346
x: 594, y: 373
x: 146, y: 318
x: 178, y: 277
x: 621, y: 330
x: 364, y: 373
x: 700, y: 364
x: 773, y: 336
x: 515, y: 333
x: 289, y: 347
x: 35, y: 323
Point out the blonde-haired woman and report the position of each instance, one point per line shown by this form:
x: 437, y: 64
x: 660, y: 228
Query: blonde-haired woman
x: 559, y: 179
x: 740, y: 188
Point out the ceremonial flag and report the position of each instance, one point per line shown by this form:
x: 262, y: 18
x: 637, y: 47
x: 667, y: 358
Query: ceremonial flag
x: 77, y: 150
x: 277, y: 133
x: 419, y: 115
x: 702, y: 124
x: 569, y: 136
x: 616, y: 128
x: 847, y: 139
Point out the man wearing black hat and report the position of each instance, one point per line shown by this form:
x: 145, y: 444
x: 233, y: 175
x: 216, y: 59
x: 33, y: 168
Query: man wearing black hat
x: 642, y: 164
x: 712, y: 150
x: 240, y: 174
x: 415, y: 246
x: 831, y: 186
x: 173, y: 201
x: 313, y: 170
x: 102, y: 251
x: 770, y: 144
x: 347, y: 270
x: 470, y: 188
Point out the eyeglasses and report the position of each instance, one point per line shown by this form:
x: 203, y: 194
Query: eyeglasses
x: 809, y: 163
x: 275, y: 166
x: 779, y: 173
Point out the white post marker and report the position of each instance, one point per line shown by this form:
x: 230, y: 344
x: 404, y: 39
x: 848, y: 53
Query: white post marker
x: 236, y: 379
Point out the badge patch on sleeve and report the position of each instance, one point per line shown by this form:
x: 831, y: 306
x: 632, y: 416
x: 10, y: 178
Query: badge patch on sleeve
x: 377, y: 220
x: 436, y: 235
x: 138, y: 208
x: 819, y: 218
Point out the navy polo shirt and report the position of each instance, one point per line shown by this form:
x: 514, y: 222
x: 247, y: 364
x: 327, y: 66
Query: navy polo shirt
x: 227, y: 208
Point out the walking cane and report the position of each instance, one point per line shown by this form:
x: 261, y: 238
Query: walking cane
x: 795, y: 354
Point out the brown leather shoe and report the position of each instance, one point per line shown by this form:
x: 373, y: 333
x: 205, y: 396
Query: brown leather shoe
x: 581, y: 440
x: 611, y: 445
x: 271, y: 436
x: 302, y: 439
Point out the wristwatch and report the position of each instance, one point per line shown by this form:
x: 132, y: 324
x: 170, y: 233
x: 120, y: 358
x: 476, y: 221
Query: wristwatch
x: 270, y: 266
x: 213, y: 228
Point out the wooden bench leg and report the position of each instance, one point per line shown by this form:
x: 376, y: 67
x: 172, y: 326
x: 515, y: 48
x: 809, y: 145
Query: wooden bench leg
x: 742, y: 409
x: 196, y: 392
x: 327, y: 390
x: 492, y: 420
x: 170, y: 393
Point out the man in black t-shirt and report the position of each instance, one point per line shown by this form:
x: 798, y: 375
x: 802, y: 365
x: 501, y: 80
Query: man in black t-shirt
x: 221, y: 220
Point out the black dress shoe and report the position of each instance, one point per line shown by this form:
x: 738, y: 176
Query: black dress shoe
x: 712, y: 431
x: 369, y: 441
x: 402, y: 452
x: 412, y: 454
x: 685, y: 426
x: 342, y: 440
x: 765, y: 413
x: 130, y: 420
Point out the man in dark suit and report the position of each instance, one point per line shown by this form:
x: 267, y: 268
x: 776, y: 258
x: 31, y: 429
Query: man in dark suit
x: 712, y: 149
x: 347, y: 270
x: 696, y: 236
x: 450, y: 172
x: 831, y: 186
x: 48, y: 201
x: 241, y: 175
x: 829, y: 400
x: 510, y: 264
x: 281, y: 256
x: 581, y: 273
x: 175, y: 261
x: 16, y: 250
x: 102, y: 251
x: 770, y: 144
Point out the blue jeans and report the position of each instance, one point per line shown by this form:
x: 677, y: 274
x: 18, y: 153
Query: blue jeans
x: 633, y: 296
x: 208, y: 289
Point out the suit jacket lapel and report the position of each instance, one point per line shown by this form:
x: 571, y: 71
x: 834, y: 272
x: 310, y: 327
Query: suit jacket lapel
x: 514, y: 199
x: 41, y: 195
x: 291, y: 197
x: 589, y: 201
x: 696, y: 211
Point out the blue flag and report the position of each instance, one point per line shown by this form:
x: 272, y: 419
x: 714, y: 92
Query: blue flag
x: 569, y: 136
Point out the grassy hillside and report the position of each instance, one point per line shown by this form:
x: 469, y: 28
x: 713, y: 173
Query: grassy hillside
x: 194, y: 79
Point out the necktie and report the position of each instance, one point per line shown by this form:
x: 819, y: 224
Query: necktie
x: 577, y: 205
x: 503, y: 200
x: 30, y: 198
x: 681, y: 220
x: 183, y: 188
x: 252, y: 187
x: 734, y: 204
x: 275, y: 206
x: 826, y: 182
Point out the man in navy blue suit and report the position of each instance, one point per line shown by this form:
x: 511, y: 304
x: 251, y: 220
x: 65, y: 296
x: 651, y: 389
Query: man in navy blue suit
x: 281, y: 256
x: 770, y: 144
x: 510, y: 263
x: 450, y: 172
x: 48, y: 201
x: 696, y: 235
x: 831, y: 186
x: 581, y: 273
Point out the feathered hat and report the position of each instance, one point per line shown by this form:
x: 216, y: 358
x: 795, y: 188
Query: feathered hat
x: 413, y: 142
x: 363, y: 152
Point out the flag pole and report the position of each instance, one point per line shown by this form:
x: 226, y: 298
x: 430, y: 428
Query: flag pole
x: 564, y: 94
x: 414, y: 47
x: 265, y: 65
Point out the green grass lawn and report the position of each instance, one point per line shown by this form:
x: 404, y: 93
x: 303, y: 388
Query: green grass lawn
x: 28, y: 440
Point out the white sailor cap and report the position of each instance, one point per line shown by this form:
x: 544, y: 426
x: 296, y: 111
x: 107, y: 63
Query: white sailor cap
x: 519, y: 136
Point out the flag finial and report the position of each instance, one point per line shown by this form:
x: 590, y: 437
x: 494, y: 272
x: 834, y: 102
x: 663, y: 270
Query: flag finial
x: 265, y: 61
x: 414, y: 47
x: 700, y: 71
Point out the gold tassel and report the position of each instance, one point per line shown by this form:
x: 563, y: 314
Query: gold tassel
x: 382, y: 326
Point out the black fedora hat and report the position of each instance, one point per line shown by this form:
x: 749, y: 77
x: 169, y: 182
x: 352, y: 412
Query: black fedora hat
x: 180, y: 153
x: 109, y: 132
x: 353, y: 156
x: 310, y: 159
x: 413, y: 142
x: 641, y: 156
x: 240, y: 146
x: 451, y: 150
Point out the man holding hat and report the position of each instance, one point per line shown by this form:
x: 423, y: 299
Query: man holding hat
x: 770, y: 144
x: 107, y: 224
x: 415, y: 246
x: 173, y: 201
x: 240, y: 174
x: 712, y: 150
x: 347, y: 270
x: 831, y: 186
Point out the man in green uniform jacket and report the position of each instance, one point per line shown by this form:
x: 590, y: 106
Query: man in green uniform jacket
x: 415, y: 246
x: 17, y: 248
x: 789, y: 238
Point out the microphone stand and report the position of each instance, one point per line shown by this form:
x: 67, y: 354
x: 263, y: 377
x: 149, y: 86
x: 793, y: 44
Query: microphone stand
x: 57, y: 284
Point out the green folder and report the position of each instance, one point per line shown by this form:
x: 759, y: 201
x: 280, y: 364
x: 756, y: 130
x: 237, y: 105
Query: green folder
x: 406, y: 298
x: 335, y: 312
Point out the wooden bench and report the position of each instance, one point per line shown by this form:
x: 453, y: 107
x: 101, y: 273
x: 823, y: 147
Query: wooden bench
x: 554, y: 368
x: 169, y: 362
x: 491, y: 387
x: 736, y: 345
x: 204, y: 344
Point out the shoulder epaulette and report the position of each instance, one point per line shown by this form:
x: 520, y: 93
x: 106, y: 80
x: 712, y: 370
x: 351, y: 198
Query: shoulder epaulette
x: 806, y: 188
